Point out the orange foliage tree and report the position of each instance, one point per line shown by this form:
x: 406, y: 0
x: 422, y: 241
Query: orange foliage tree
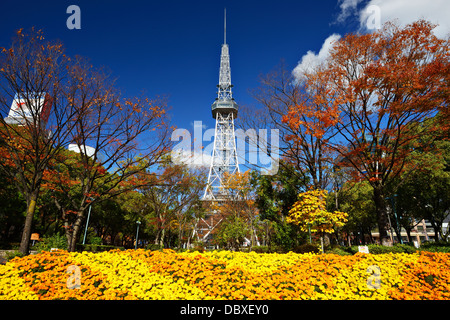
x: 171, y: 200
x: 297, y: 109
x: 380, y: 87
x: 88, y: 111
x: 30, y: 67
x: 116, y: 139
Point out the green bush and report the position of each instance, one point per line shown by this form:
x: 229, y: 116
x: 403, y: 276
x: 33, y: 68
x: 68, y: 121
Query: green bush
x: 200, y: 249
x: 306, y: 248
x: 12, y: 254
x: 96, y: 248
x: 261, y: 249
x: 154, y: 247
x: 342, y: 251
x: 439, y: 246
x: 277, y: 249
x: 379, y: 249
x: 406, y: 248
x: 96, y: 241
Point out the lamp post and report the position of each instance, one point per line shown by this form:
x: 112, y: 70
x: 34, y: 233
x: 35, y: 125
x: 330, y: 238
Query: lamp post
x: 87, y: 224
x: 399, y: 228
x: 137, y: 234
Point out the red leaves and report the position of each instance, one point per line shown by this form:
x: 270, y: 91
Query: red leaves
x: 373, y: 92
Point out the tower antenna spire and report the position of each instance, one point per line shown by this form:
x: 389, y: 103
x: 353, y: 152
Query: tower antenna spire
x: 224, y: 110
x: 225, y: 26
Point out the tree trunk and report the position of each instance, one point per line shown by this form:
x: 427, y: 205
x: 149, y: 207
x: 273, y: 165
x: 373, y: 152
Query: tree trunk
x: 369, y: 232
x: 180, y: 245
x: 161, y: 239
x: 408, y: 234
x: 158, y: 232
x: 363, y: 239
x: 436, y: 228
x: 76, y: 231
x: 73, y: 232
x: 398, y: 232
x: 382, y: 216
x: 31, y: 207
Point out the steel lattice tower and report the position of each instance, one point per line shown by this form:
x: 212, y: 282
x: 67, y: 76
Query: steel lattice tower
x: 224, y: 110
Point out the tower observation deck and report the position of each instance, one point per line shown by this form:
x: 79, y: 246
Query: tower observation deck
x: 224, y: 102
x: 224, y: 110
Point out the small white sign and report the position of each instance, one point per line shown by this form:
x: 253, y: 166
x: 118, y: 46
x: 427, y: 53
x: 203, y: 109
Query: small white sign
x: 363, y: 249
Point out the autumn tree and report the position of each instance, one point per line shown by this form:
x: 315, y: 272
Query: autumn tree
x: 383, y: 85
x: 116, y: 138
x: 304, y: 122
x: 33, y: 74
x: 238, y: 211
x: 173, y: 201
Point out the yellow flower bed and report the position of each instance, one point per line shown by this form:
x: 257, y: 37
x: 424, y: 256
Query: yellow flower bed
x: 12, y: 286
x: 258, y: 263
x: 133, y: 277
x: 143, y: 274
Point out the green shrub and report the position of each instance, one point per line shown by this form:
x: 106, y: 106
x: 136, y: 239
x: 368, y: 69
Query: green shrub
x: 397, y: 248
x: 379, y: 249
x: 200, y: 249
x: 54, y: 241
x: 406, y: 248
x: 439, y: 246
x: 154, y: 247
x: 260, y: 249
x: 342, y: 251
x: 97, y: 248
x: 12, y: 254
x: 96, y: 241
x: 306, y: 248
x: 277, y: 249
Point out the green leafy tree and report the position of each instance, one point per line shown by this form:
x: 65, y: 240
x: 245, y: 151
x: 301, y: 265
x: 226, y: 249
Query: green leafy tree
x: 275, y: 195
x: 12, y: 210
x: 425, y: 192
x: 356, y: 199
x: 232, y: 233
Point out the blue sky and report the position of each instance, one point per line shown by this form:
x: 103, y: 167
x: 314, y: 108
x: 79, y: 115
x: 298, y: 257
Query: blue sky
x: 172, y: 47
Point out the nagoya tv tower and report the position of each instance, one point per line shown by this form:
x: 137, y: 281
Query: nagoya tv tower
x: 224, y: 110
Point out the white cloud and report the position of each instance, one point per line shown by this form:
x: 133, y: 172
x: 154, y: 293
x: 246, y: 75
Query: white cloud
x: 348, y: 8
x: 310, y: 60
x: 402, y: 12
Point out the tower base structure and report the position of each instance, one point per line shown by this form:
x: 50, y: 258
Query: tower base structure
x: 224, y: 161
